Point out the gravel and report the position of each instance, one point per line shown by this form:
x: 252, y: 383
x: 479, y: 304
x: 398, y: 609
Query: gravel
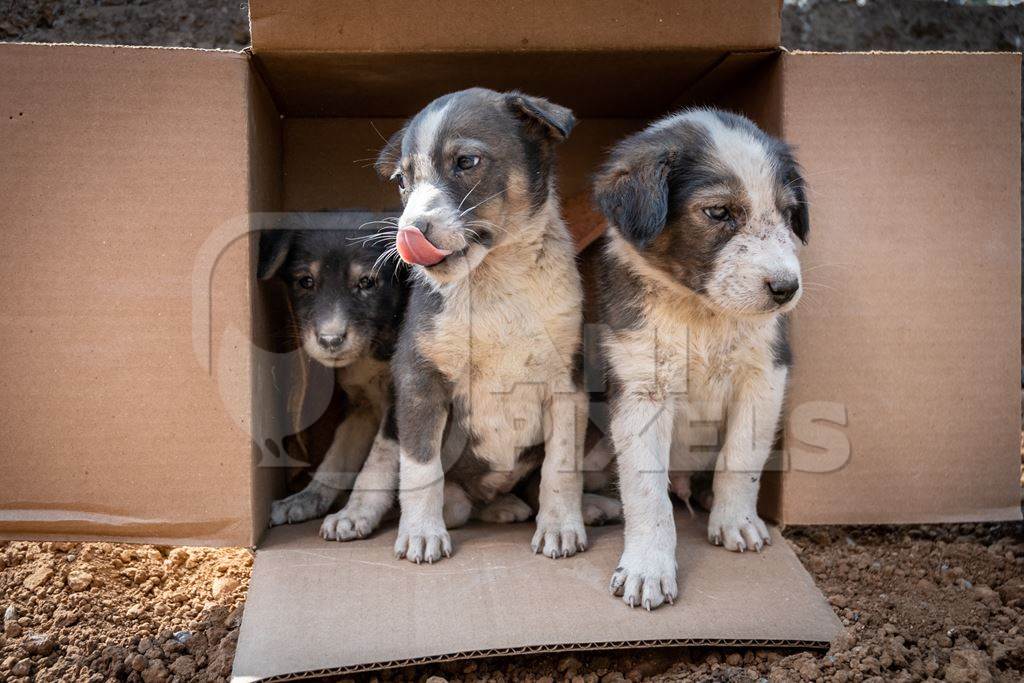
x: 102, y: 611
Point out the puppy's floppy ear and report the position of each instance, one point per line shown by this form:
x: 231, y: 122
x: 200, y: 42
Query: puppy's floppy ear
x: 633, y: 195
x: 390, y: 155
x: 794, y: 179
x: 552, y: 121
x: 274, y: 247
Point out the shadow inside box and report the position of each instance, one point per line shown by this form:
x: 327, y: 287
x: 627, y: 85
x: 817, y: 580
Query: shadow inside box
x: 333, y: 608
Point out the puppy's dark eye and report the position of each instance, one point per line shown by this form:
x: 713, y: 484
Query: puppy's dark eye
x: 366, y: 282
x: 466, y: 162
x: 307, y: 282
x: 718, y: 213
x: 399, y: 179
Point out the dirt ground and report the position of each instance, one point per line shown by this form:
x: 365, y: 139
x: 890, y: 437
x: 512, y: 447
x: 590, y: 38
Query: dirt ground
x: 919, y: 603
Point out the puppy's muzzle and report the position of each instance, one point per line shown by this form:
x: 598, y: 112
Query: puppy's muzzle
x: 782, y: 289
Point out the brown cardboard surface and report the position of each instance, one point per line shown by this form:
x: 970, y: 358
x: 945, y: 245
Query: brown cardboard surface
x: 593, y: 84
x: 266, y: 189
x: 912, y: 315
x: 328, y: 163
x: 600, y: 57
x: 118, y: 163
x: 379, y: 26
x: 316, y: 607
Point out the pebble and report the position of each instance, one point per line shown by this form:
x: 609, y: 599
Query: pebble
x: 968, y: 666
x: 79, y: 581
x: 12, y: 629
x: 10, y: 614
x: 177, y: 557
x: 38, y: 644
x: 136, y: 662
x: 22, y: 667
x: 223, y: 586
x: 839, y: 601
x: 184, y: 668
x: 569, y: 663
x: 39, y: 577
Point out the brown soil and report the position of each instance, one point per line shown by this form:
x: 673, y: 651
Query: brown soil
x: 918, y: 603
x: 100, y: 611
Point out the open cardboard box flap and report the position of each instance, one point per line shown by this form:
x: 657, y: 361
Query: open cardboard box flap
x: 318, y: 609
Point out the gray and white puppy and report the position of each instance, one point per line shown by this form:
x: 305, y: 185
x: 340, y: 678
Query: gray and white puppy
x: 700, y: 267
x: 484, y: 361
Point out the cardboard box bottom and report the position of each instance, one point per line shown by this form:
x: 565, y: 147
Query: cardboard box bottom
x: 317, y: 608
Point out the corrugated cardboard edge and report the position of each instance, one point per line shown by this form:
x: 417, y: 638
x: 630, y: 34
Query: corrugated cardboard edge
x: 168, y: 48
x: 544, y: 649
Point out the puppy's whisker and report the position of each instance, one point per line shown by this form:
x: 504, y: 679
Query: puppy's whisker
x: 375, y: 130
x: 459, y: 208
x: 477, y: 205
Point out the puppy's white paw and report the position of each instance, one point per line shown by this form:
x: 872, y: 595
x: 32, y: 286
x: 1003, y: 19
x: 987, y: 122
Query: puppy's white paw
x: 420, y: 543
x: 299, y: 507
x: 598, y: 510
x: 646, y: 579
x: 737, y: 529
x: 506, y: 510
x: 348, y: 524
x: 559, y: 536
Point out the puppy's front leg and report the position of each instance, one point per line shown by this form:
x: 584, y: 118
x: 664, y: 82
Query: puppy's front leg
x: 422, y: 412
x: 374, y: 491
x: 642, y: 432
x: 753, y: 419
x: 348, y: 451
x: 560, y: 531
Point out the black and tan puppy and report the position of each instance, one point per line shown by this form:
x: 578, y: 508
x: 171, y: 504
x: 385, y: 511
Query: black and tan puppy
x: 484, y: 363
x: 346, y: 313
x: 700, y: 267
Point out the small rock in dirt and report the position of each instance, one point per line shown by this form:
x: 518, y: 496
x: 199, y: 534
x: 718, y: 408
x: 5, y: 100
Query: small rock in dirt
x: 185, y: 668
x: 39, y: 577
x: 155, y: 673
x: 839, y: 601
x: 569, y: 664
x: 734, y: 659
x: 79, y: 581
x: 968, y: 666
x: 809, y: 670
x: 21, y: 668
x: 177, y: 557
x: 1012, y: 591
x: 12, y: 629
x: 10, y: 614
x: 38, y: 644
x: 223, y: 586
x: 182, y: 636
x: 136, y: 661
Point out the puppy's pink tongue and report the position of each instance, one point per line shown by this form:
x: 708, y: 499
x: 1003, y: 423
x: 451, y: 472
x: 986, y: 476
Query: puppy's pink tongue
x: 414, y: 248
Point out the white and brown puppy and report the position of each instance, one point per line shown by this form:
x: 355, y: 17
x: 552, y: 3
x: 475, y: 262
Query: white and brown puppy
x: 484, y: 361
x: 700, y: 266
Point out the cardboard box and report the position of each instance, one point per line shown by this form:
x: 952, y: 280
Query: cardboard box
x: 139, y: 391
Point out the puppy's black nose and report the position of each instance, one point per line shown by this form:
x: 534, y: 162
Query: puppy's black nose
x: 783, y: 289
x: 330, y: 342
